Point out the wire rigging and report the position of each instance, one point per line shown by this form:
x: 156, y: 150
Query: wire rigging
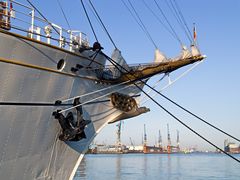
x: 43, y: 17
x: 142, y: 81
x: 179, y: 77
x: 65, y: 17
x: 89, y: 21
x: 182, y: 17
x: 109, y: 36
x: 169, y: 24
x: 201, y: 119
x: 188, y: 111
x: 161, y: 22
x: 138, y: 20
x: 178, y: 18
x: 129, y: 10
x: 172, y: 115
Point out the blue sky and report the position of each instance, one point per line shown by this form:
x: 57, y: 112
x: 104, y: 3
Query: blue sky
x: 211, y: 90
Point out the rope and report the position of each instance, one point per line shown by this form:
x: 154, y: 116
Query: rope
x: 155, y: 85
x: 43, y: 17
x: 114, y: 63
x: 89, y: 21
x: 183, y: 19
x: 176, y: 15
x: 146, y: 30
x: 104, y: 27
x: 139, y: 22
x: 161, y: 22
x: 48, y: 104
x: 161, y: 11
x: 65, y: 17
x: 93, y: 92
x: 92, y: 100
x: 179, y: 77
x: 31, y: 104
x: 186, y: 110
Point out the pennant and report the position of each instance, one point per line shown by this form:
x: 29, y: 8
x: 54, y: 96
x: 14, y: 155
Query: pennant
x: 194, y: 33
x: 11, y: 11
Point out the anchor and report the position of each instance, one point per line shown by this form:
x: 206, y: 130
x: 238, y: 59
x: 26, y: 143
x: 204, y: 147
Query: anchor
x: 72, y: 129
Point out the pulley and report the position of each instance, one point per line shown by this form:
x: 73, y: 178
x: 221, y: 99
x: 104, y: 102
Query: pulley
x: 123, y: 102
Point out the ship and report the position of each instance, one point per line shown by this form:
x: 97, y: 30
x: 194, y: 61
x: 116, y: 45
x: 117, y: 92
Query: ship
x: 231, y: 147
x: 58, y: 92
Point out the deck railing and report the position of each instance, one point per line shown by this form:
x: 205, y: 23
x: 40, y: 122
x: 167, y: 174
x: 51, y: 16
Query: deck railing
x: 25, y: 20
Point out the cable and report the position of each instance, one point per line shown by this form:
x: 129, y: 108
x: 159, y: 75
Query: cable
x: 86, y: 102
x: 161, y: 22
x: 139, y: 22
x: 196, y: 116
x: 89, y: 21
x: 65, y: 17
x: 31, y: 104
x: 43, y: 17
x: 103, y: 25
x: 146, y: 30
x: 116, y: 65
x: 178, y: 18
x: 93, y: 92
x: 48, y: 104
x: 161, y: 11
x: 189, y: 111
x: 182, y: 17
x: 179, y: 77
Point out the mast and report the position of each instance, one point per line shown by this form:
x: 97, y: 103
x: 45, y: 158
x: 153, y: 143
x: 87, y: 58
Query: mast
x: 118, y: 143
x: 145, y: 136
x: 169, y: 140
x: 159, y: 139
x: 178, y: 141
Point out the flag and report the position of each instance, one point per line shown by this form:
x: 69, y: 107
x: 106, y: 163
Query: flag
x: 12, y: 12
x: 194, y: 33
x: 11, y: 6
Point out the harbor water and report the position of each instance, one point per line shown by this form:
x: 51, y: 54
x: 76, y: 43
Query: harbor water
x: 199, y: 166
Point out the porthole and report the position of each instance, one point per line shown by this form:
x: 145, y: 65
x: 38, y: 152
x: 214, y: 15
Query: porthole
x: 61, y: 64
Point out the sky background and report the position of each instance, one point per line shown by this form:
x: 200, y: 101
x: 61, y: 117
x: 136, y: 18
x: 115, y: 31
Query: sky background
x: 212, y: 90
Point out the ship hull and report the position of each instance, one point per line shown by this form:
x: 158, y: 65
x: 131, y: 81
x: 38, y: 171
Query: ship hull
x: 30, y: 147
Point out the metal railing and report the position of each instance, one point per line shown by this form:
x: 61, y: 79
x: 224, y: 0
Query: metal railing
x: 23, y: 19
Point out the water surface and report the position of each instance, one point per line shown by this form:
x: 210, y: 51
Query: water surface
x: 158, y: 166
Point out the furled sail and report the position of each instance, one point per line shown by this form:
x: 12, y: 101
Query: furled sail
x: 120, y: 62
x: 159, y: 56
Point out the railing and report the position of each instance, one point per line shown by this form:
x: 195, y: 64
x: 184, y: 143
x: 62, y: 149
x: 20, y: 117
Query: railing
x: 23, y: 19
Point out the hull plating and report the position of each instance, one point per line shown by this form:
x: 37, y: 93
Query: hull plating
x: 30, y: 148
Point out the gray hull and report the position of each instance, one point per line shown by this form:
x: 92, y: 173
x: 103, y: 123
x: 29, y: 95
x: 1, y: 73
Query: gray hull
x: 29, y: 144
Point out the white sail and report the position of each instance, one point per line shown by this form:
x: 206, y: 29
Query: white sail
x: 121, y: 63
x: 195, y: 51
x: 159, y: 56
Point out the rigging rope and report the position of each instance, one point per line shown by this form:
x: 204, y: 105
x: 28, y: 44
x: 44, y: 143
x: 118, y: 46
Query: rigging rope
x: 177, y: 17
x: 161, y: 22
x: 93, y: 92
x: 116, y: 65
x: 104, y: 27
x: 43, y: 17
x: 65, y: 17
x: 161, y: 11
x: 86, y: 102
x: 179, y: 77
x: 182, y: 17
x: 188, y: 111
x: 154, y: 86
x: 89, y: 21
x: 139, y: 22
